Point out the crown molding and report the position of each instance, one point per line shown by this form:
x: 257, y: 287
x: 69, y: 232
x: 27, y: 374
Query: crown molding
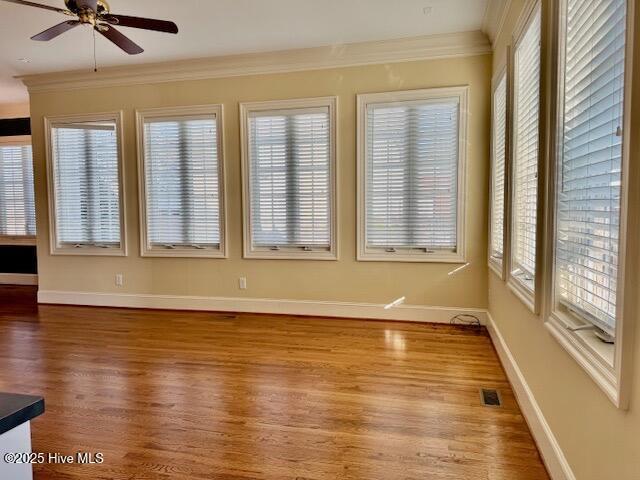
x: 317, y: 58
x: 494, y: 18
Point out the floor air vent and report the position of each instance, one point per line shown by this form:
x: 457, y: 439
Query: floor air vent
x: 490, y: 397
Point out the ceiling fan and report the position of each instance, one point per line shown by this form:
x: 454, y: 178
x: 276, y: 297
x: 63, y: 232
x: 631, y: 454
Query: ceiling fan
x: 97, y: 14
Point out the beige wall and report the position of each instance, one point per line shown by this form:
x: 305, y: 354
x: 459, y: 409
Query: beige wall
x: 343, y: 280
x: 599, y: 441
x: 14, y: 110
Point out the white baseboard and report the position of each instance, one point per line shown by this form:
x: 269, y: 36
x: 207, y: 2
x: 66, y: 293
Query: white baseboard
x: 550, y: 450
x: 18, y: 279
x: 412, y: 313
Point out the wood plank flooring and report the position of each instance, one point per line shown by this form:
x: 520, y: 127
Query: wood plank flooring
x: 193, y: 395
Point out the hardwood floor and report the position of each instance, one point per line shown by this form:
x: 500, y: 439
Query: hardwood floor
x: 192, y: 395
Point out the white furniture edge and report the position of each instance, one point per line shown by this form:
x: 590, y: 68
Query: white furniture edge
x: 411, y: 313
x: 552, y: 455
x: 317, y: 58
x: 17, y: 440
x: 18, y: 279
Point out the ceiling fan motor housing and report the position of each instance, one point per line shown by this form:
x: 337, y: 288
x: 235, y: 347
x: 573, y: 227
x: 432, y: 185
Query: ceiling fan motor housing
x: 86, y: 14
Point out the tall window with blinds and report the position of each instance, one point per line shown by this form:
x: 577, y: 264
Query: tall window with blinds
x: 589, y: 167
x: 17, y: 206
x: 526, y: 118
x: 498, y: 163
x: 85, y: 179
x: 181, y: 167
x: 290, y: 179
x: 410, y: 168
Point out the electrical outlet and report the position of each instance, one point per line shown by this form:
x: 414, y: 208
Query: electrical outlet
x: 242, y: 283
x: 119, y: 279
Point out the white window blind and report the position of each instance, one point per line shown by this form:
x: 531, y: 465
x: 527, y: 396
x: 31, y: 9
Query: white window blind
x: 525, y: 164
x: 86, y: 183
x: 411, y: 175
x: 590, y: 164
x: 182, y: 182
x: 290, y: 178
x: 499, y: 159
x: 17, y: 207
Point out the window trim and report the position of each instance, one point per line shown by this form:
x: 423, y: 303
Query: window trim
x: 54, y: 247
x: 609, y: 366
x: 145, y: 248
x: 17, y: 141
x: 363, y: 100
x: 330, y: 102
x: 530, y: 298
x: 499, y: 267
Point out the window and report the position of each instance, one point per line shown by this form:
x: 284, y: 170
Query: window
x: 411, y: 156
x: 289, y: 179
x: 526, y: 120
x: 17, y: 206
x: 590, y: 162
x: 590, y: 186
x: 181, y: 181
x: 498, y: 173
x: 85, y: 184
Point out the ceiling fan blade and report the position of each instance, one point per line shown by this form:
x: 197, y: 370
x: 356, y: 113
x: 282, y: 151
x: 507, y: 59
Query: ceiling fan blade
x: 139, y: 22
x: 38, y: 5
x: 119, y: 39
x: 56, y: 30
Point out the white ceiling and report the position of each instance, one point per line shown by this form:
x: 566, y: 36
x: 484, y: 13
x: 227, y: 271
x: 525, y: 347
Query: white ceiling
x: 219, y: 27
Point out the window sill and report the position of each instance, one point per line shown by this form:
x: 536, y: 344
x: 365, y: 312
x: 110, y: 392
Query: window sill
x: 89, y: 251
x: 381, y: 256
x: 524, y: 294
x: 183, y: 253
x: 594, y: 356
x: 17, y: 240
x: 290, y: 255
